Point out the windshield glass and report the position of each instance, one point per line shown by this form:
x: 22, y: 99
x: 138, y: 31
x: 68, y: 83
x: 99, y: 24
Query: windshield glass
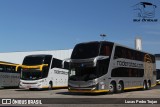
x: 82, y: 51
x: 31, y: 60
x: 83, y: 74
x: 31, y: 74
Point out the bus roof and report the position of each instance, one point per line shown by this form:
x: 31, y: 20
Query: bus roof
x: 8, y: 63
x: 114, y: 44
x: 39, y: 55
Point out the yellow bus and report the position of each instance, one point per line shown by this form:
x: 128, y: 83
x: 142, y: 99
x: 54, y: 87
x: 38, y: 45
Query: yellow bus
x: 9, y: 74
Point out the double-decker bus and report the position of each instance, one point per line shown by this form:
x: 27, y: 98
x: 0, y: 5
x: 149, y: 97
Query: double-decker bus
x: 9, y: 75
x: 43, y: 71
x: 102, y: 66
x: 158, y: 76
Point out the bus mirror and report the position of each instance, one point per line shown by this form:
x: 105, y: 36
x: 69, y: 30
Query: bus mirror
x: 99, y: 58
x: 64, y: 62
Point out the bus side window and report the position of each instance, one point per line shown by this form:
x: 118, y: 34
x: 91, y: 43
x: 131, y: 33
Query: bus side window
x: 118, y: 52
x: 8, y: 69
x: 129, y: 54
x: 66, y: 65
x: 56, y: 63
x: 47, y: 60
x: 106, y: 49
x: 1, y: 68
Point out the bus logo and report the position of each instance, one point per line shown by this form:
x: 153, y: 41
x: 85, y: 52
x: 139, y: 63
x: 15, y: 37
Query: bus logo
x: 145, y: 12
x: 145, y: 9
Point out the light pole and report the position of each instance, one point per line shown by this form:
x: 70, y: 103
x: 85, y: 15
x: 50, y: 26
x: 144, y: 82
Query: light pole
x: 103, y: 36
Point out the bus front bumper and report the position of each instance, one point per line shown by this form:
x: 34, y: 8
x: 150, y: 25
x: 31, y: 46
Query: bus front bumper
x: 28, y: 85
x: 86, y: 90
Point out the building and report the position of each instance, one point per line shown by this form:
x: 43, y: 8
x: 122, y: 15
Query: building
x: 17, y: 57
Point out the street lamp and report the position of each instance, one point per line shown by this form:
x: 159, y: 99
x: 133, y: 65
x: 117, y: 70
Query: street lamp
x: 103, y: 36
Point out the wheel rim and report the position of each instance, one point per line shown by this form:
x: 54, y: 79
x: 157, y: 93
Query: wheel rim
x: 111, y: 88
x: 148, y: 85
x: 144, y: 85
x: 50, y: 86
x: 119, y: 87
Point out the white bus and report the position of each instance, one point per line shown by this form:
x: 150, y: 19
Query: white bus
x: 102, y: 66
x: 43, y: 71
x: 9, y: 75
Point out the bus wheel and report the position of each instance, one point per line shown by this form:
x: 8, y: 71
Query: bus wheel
x: 50, y: 85
x: 144, y: 85
x: 148, y: 85
x: 112, y: 87
x: 120, y: 87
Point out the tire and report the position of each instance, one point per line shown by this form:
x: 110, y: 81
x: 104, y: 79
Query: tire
x: 50, y: 85
x: 32, y: 89
x: 144, y: 85
x: 112, y: 87
x: 120, y: 87
x: 148, y: 85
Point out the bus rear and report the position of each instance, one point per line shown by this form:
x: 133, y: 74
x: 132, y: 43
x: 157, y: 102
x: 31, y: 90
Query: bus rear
x: 9, y: 74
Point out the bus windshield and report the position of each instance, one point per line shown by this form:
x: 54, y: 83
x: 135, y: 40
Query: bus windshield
x: 31, y: 74
x: 83, y: 74
x: 83, y: 51
x: 31, y: 60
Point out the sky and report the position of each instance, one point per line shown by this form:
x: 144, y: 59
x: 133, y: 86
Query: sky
x: 28, y: 25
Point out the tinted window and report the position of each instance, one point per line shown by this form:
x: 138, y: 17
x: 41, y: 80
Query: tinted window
x: 1, y: 68
x: 56, y: 63
x: 46, y: 68
x: 122, y: 52
x: 83, y: 51
x: 106, y: 49
x: 33, y: 60
x: 158, y: 73
x: 127, y: 72
x: 7, y: 68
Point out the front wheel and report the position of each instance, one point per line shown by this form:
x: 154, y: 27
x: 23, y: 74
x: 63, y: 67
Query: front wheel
x: 50, y: 86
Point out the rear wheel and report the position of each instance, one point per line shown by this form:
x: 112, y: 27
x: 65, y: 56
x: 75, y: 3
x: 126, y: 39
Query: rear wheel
x: 120, y: 87
x: 112, y: 87
x: 144, y: 85
x: 148, y: 85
